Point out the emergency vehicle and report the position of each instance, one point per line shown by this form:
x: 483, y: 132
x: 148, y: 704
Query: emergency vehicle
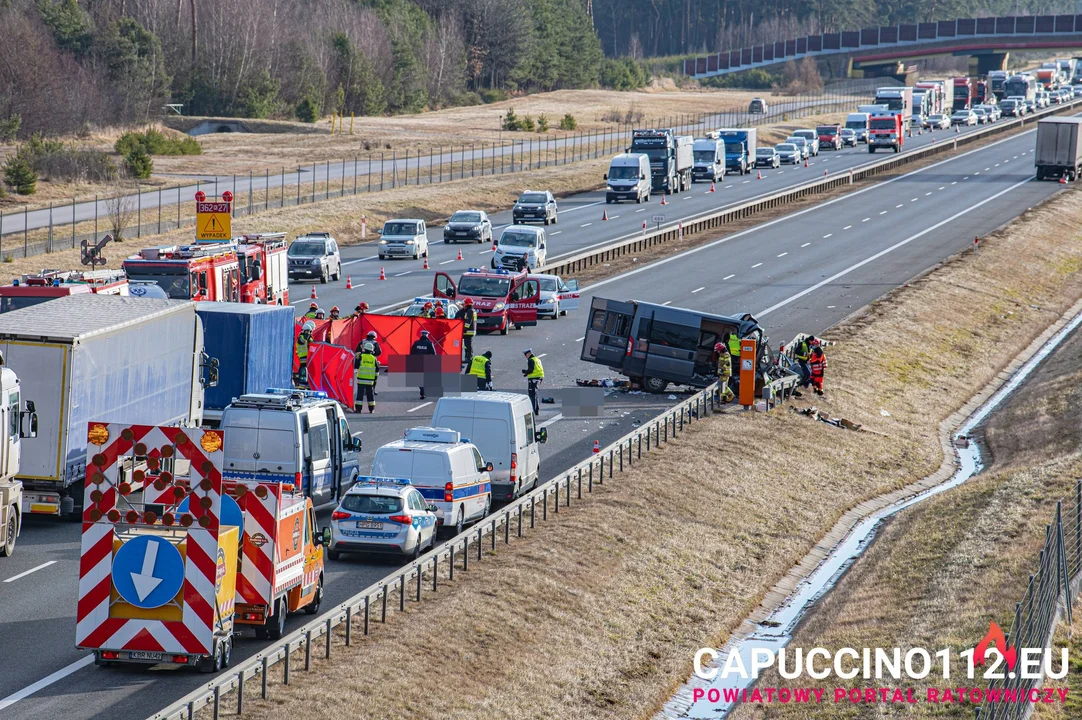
x: 501, y: 298
x: 168, y: 573
x: 48, y: 285
x: 190, y: 272
x: 264, y: 272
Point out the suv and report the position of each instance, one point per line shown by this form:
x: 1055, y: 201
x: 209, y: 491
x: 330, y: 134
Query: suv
x: 313, y: 256
x: 812, y: 137
x: 757, y: 106
x: 534, y: 205
x: 402, y: 238
x: 469, y: 225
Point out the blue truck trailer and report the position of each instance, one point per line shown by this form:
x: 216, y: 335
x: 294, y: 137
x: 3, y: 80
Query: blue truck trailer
x: 254, y: 348
x: 103, y: 358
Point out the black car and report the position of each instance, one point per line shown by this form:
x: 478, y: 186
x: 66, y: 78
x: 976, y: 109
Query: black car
x: 766, y: 157
x: 535, y: 206
x: 314, y: 256
x: 469, y: 226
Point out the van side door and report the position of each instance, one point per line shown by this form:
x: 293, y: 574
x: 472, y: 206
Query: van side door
x: 524, y: 297
x: 443, y: 286
x: 569, y: 295
x: 608, y: 332
x: 317, y: 456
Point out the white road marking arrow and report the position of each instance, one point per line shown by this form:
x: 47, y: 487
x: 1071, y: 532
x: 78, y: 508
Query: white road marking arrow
x: 145, y: 582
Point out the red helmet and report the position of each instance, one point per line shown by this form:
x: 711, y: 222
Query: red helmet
x: 335, y: 309
x: 468, y: 301
x: 314, y: 306
x: 718, y: 347
x: 428, y: 306
x: 439, y: 311
x: 362, y: 306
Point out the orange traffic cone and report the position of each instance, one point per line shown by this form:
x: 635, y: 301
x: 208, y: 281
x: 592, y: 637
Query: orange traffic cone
x: 759, y: 175
x: 459, y: 255
x: 604, y: 214
x: 1062, y: 181
x: 426, y: 263
x: 313, y: 292
x: 805, y: 162
x: 663, y: 200
x: 349, y: 282
x: 597, y: 447
x: 382, y: 275
x: 711, y: 187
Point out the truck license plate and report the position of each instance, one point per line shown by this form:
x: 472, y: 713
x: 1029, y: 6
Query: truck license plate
x: 143, y: 655
x: 369, y: 525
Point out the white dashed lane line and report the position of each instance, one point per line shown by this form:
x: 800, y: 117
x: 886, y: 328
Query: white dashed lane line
x: 403, y: 273
x: 698, y: 290
x: 865, y: 219
x: 941, y: 187
x: 667, y: 302
x: 755, y: 265
x: 586, y: 225
x: 727, y: 277
x: 447, y: 261
x: 827, y: 235
x: 556, y: 233
x: 805, y: 244
x: 927, y: 194
x: 897, y: 206
x: 23, y: 574
x: 422, y: 405
x: 847, y: 227
x: 884, y: 212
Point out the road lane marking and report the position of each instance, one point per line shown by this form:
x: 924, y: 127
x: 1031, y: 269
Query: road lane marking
x: 402, y: 273
x: 755, y: 265
x: 581, y: 339
x: 884, y: 212
x: 997, y: 164
x: 612, y: 218
x: 641, y: 210
x: 46, y: 681
x: 687, y: 197
x: 783, y: 254
x: 586, y: 225
x: 828, y: 235
x: 422, y: 405
x: 447, y: 261
x: 698, y: 290
x: 551, y: 421
x: 483, y: 252
x: 954, y: 183
x: 358, y: 260
x: 541, y: 355
x: 927, y: 194
x: 13, y: 578
x: 728, y: 277
x: 987, y: 169
x: 806, y: 244
x: 667, y: 302
x: 865, y: 219
x: 745, y: 182
x: 897, y: 206
x: 942, y: 187
x: 847, y: 227
x: 556, y: 233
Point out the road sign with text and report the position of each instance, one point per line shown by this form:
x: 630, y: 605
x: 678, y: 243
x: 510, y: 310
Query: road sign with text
x: 213, y: 221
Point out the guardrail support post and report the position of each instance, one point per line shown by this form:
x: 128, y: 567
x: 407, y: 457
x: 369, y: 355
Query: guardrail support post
x: 240, y: 693
x: 666, y: 423
x: 466, y: 554
x: 349, y: 626
x: 285, y: 669
x: 480, y: 542
x: 493, y: 535
x: 402, y: 593
x: 383, y: 617
x: 191, y: 710
x: 507, y: 530
x: 217, y: 701
x: 545, y: 504
x: 621, y: 458
x: 580, y: 483
x: 367, y: 614
x: 420, y: 579
x: 263, y: 679
x: 520, y: 521
x: 556, y: 505
x: 435, y: 572
x: 639, y: 436
x: 307, y: 651
x: 590, y: 479
x: 451, y: 563
x: 533, y: 512
x: 328, y: 648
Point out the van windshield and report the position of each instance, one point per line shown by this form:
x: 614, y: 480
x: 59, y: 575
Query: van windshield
x: 484, y: 286
x: 705, y: 156
x: 625, y: 172
x: 518, y: 239
x: 372, y: 504
x: 856, y: 124
x: 400, y: 228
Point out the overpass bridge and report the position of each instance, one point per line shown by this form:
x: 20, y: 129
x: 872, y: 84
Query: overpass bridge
x: 879, y: 51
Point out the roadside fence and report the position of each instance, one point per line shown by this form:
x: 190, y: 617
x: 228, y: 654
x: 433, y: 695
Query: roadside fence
x: 27, y: 232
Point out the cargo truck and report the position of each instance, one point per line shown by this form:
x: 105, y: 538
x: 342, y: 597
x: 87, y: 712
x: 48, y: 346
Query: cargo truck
x: 899, y: 101
x: 30, y: 290
x: 16, y: 423
x: 1059, y: 149
x: 886, y: 132
x: 739, y: 149
x: 253, y: 345
x: 98, y: 356
x: 671, y: 157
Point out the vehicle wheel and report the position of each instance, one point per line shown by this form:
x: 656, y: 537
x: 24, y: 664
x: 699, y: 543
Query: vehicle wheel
x: 277, y: 628
x: 227, y: 653
x: 608, y: 201
x: 382, y: 257
x: 506, y: 324
x: 546, y: 221
x: 871, y: 149
x: 488, y: 508
x: 556, y: 313
x: 416, y: 550
x: 461, y: 522
x: 9, y: 545
x: 896, y: 148
x: 313, y: 607
x: 655, y: 385
x: 213, y: 663
x: 323, y: 277
x: 334, y: 555
x: 555, y: 219
x: 638, y: 199
x: 338, y: 274
x: 493, y: 263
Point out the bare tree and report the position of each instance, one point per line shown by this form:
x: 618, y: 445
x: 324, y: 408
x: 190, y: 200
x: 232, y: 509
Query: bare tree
x: 119, y: 209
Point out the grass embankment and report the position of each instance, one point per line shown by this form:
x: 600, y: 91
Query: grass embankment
x: 599, y: 614
x: 940, y: 571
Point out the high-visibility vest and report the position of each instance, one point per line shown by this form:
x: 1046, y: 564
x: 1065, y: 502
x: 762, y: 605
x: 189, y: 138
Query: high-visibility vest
x: 366, y: 370
x: 734, y: 345
x: 469, y: 318
x: 538, y: 372
x: 725, y: 366
x: 817, y: 364
x: 302, y: 347
x: 479, y: 367
x: 802, y: 350
x: 311, y: 315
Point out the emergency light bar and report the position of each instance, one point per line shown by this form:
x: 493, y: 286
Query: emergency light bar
x: 318, y: 394
x: 431, y: 434
x: 487, y: 271
x: 375, y: 480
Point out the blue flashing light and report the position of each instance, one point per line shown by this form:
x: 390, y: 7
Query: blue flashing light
x: 56, y: 282
x: 474, y: 270
x: 318, y: 394
x: 15, y: 282
x: 376, y: 480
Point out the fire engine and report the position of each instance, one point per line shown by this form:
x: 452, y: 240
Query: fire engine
x: 190, y: 272
x: 48, y: 285
x: 265, y: 270
x: 501, y: 298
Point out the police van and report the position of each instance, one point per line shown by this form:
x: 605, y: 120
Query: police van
x: 291, y: 436
x: 447, y: 469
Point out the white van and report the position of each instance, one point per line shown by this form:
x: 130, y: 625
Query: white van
x: 501, y: 424
x: 516, y: 241
x: 628, y: 178
x: 860, y: 123
x: 709, y: 153
x: 446, y: 469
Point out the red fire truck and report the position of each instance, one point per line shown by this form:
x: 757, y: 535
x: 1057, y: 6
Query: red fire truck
x: 502, y: 299
x: 48, y: 285
x: 264, y: 272
x: 190, y: 272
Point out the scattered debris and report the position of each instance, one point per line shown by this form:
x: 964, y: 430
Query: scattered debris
x: 673, y: 397
x: 604, y: 382
x: 814, y: 413
x: 884, y: 413
x: 962, y: 441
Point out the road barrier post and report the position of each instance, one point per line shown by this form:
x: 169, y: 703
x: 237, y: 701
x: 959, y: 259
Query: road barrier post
x: 240, y: 693
x: 263, y: 679
x: 349, y: 625
x: 383, y: 611
x: 367, y: 613
x: 307, y: 651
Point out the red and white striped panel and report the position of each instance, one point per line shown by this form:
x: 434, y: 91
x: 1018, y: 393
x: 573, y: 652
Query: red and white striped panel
x: 110, y: 506
x: 290, y: 573
x: 260, y: 506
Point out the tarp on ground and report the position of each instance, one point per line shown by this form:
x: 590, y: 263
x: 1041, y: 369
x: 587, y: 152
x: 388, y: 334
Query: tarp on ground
x: 330, y: 369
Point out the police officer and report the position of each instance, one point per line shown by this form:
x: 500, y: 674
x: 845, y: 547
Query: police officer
x: 336, y: 314
x: 534, y: 373
x: 469, y: 328
x: 724, y: 372
x: 367, y: 372
x: 312, y: 310
x: 377, y: 350
x: 423, y: 346
x: 481, y: 368
x: 301, y: 349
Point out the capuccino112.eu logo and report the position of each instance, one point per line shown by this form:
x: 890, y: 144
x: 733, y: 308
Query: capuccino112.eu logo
x: 733, y: 677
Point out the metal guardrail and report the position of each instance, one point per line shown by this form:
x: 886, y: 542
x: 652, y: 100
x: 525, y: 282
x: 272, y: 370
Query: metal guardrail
x: 711, y: 220
x: 356, y: 614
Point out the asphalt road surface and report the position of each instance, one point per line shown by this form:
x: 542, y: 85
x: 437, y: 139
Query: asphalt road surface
x: 803, y: 272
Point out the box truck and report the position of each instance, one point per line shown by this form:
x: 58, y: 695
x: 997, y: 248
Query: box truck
x: 1059, y: 150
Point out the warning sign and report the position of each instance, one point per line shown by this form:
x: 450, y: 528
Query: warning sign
x: 213, y: 221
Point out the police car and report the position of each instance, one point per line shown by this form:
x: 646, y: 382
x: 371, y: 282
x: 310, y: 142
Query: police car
x: 382, y: 515
x: 450, y: 307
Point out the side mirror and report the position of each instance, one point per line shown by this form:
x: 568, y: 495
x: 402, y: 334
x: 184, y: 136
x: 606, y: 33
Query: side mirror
x: 641, y: 176
x: 324, y: 537
x: 355, y: 443
x: 542, y: 435
x: 488, y: 467
x: 431, y: 508
x: 30, y: 406
x: 28, y: 429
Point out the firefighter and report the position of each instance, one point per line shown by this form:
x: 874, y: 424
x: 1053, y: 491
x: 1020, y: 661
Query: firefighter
x: 733, y: 343
x: 817, y: 364
x: 724, y: 372
x: 426, y: 310
x: 440, y: 313
x: 469, y: 328
x: 535, y: 374
x: 367, y: 372
x: 360, y: 310
x: 423, y: 346
x: 336, y: 314
x: 481, y: 368
x: 801, y: 353
x: 301, y: 349
x: 312, y: 310
x: 320, y: 314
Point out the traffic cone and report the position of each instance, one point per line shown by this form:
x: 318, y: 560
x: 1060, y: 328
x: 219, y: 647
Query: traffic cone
x: 597, y: 447
x: 663, y: 200
x: 604, y: 214
x: 759, y: 175
x: 1062, y: 181
x: 382, y: 275
x: 805, y: 162
x: 824, y: 173
x: 349, y: 282
x: 459, y: 255
x: 426, y: 263
x: 643, y: 227
x: 314, y: 292
x: 711, y: 187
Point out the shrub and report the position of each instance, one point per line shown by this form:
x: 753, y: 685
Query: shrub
x: 9, y: 127
x: 20, y: 175
x: 542, y: 123
x: 493, y: 95
x: 139, y: 163
x: 77, y: 165
x: 307, y: 111
x: 155, y: 142
x: 568, y: 122
x: 627, y: 117
x: 754, y: 79
x: 527, y: 124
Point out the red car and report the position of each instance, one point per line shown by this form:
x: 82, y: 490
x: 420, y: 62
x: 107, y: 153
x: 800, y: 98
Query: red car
x: 829, y: 136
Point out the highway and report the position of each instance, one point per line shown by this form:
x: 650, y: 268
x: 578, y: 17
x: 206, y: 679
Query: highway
x: 802, y: 272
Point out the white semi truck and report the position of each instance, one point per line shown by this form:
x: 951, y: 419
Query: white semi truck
x: 17, y: 420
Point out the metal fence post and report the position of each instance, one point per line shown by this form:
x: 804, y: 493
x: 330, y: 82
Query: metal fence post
x: 327, y: 649
x: 73, y: 217
x: 307, y: 651
x: 420, y: 579
x: 354, y: 174
x: 466, y: 554
x: 159, y: 216
x: 50, y: 227
x: 383, y: 616
x: 367, y: 614
x: 263, y: 679
x: 285, y: 670
x: 402, y: 593
x: 381, y: 172
x: 349, y: 626
x: 240, y: 693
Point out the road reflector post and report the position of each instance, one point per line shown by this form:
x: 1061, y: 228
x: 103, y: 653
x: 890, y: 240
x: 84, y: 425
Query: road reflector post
x: 747, y: 372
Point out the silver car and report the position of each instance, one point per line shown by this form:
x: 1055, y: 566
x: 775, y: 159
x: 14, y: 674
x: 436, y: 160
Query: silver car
x: 557, y: 296
x: 788, y: 153
x: 802, y: 146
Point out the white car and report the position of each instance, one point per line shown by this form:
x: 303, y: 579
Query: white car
x: 812, y: 137
x: 403, y: 238
x: 964, y: 117
x: 451, y: 309
x: 943, y: 122
x: 801, y: 145
x: 384, y: 516
x: 519, y: 240
x: 557, y: 296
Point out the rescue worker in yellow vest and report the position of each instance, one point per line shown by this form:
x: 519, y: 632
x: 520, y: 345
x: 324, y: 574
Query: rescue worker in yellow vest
x: 312, y: 310
x: 724, y: 371
x: 367, y: 371
x: 469, y: 328
x: 733, y: 343
x: 534, y: 373
x: 481, y: 368
x: 801, y: 353
x: 301, y: 349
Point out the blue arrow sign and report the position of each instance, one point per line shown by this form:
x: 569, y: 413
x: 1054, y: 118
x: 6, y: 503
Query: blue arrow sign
x: 148, y: 571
